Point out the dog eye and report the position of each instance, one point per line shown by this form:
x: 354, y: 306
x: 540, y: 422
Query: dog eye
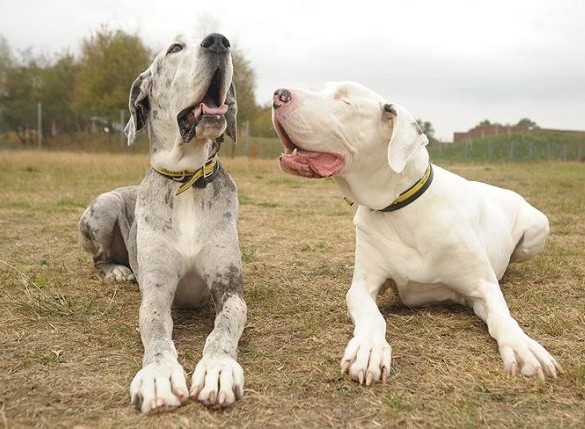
x: 174, y: 48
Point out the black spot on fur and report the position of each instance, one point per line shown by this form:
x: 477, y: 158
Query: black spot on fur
x: 226, y: 284
x: 87, y: 231
x: 169, y: 198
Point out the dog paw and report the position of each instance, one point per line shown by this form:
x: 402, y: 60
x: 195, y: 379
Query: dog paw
x: 527, y: 357
x: 118, y: 273
x: 159, y: 387
x: 217, y: 381
x: 367, y: 359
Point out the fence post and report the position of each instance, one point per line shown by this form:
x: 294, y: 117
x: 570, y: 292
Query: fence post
x: 122, y: 128
x: 40, y: 124
x: 511, y: 150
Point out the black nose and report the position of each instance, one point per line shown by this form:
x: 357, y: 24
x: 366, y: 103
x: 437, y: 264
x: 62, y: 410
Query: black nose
x: 281, y: 97
x: 216, y: 43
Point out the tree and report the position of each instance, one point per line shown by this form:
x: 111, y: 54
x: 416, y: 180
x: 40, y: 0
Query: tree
x: 245, y: 82
x: 21, y: 83
x: 262, y: 123
x: 6, y: 61
x: 527, y: 123
x: 428, y: 129
x: 110, y: 61
x: 57, y: 93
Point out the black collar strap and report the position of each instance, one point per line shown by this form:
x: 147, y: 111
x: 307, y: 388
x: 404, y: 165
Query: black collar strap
x: 198, y: 178
x: 412, y: 193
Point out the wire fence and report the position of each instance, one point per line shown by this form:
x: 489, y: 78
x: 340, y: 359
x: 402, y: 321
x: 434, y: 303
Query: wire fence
x: 103, y: 135
x: 512, y: 150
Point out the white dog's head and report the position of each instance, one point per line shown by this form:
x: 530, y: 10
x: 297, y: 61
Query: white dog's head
x: 187, y: 92
x: 326, y: 133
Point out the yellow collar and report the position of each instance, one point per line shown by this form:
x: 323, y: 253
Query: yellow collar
x: 198, y: 178
x: 410, y: 194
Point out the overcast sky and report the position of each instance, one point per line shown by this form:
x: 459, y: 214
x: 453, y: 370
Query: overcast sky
x: 450, y: 62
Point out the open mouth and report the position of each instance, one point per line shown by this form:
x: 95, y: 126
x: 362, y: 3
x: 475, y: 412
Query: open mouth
x: 306, y: 163
x: 213, y: 106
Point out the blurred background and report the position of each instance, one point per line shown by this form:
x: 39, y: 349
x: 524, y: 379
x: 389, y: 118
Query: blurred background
x: 488, y: 81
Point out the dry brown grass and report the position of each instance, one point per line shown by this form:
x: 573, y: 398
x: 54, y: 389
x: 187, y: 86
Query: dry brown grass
x: 70, y: 345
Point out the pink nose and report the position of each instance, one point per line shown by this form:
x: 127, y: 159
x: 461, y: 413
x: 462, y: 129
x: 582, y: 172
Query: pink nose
x: 281, y: 97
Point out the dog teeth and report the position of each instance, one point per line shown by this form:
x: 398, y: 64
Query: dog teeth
x: 294, y: 152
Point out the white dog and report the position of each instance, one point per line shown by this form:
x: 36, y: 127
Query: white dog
x: 431, y: 235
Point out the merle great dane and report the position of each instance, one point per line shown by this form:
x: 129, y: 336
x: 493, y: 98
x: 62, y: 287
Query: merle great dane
x: 176, y: 232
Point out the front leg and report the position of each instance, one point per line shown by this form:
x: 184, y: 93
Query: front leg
x: 218, y: 378
x: 160, y: 385
x: 367, y: 357
x: 520, y: 353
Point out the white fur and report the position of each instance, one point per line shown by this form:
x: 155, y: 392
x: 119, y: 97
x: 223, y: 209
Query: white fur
x: 452, y: 244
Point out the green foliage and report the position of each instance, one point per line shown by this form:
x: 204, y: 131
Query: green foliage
x: 528, y: 123
x: 21, y: 86
x: 5, y: 65
x: 245, y: 82
x: 110, y: 60
x: 262, y: 124
x: 428, y: 129
x: 57, y: 95
x: 97, y: 83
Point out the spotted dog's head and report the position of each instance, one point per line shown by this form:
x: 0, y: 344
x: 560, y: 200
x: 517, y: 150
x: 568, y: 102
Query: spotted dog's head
x: 187, y: 92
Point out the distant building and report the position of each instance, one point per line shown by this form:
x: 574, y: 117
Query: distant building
x: 482, y: 131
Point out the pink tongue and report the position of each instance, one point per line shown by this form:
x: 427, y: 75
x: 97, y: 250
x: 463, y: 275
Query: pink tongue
x: 204, y: 109
x: 325, y: 164
x: 212, y: 110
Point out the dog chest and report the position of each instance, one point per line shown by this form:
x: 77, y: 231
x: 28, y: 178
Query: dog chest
x: 191, y: 224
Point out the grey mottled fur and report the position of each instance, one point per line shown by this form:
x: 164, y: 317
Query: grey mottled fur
x: 182, y: 249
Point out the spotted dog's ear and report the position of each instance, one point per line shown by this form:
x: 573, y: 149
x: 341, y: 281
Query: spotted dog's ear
x: 407, y: 136
x: 138, y: 105
x: 232, y: 113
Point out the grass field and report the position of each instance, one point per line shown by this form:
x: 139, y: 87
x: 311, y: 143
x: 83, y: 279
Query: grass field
x: 70, y: 344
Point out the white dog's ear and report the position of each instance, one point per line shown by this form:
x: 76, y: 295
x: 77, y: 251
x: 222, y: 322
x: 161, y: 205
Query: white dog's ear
x: 407, y: 136
x: 138, y: 105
